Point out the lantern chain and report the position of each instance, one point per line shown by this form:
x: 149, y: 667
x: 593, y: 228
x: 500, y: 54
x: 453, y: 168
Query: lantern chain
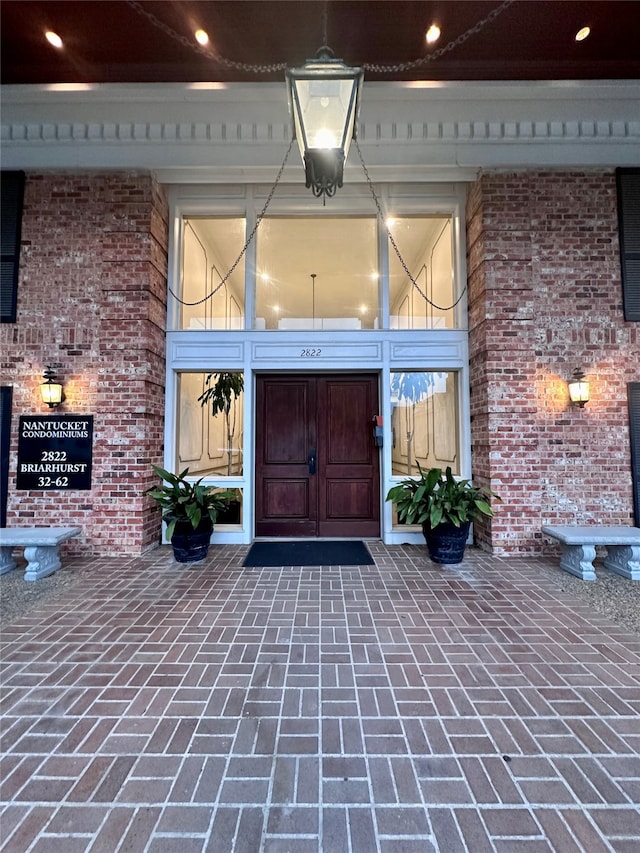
x: 395, y: 245
x: 259, y: 219
x: 281, y: 66
x: 210, y: 53
x: 205, y: 51
x: 325, y: 19
x: 416, y: 63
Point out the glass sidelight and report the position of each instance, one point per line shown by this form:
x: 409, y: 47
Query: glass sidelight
x: 208, y: 444
x: 424, y: 421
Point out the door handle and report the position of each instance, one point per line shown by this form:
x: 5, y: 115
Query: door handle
x: 312, y: 461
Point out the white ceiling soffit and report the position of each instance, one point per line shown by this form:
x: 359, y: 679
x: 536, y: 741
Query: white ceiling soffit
x: 240, y: 132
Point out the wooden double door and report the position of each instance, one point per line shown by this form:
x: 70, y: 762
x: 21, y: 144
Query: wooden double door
x: 317, y: 465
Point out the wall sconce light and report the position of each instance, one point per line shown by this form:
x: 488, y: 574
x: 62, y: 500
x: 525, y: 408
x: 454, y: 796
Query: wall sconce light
x: 324, y: 100
x: 51, y: 389
x: 579, y: 388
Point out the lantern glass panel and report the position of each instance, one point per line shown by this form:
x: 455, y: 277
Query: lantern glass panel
x: 579, y: 391
x: 324, y: 113
x: 51, y: 393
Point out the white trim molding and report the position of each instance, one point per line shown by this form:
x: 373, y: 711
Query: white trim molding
x: 239, y: 132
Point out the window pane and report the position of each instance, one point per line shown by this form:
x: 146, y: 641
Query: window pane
x: 210, y: 248
x: 425, y: 245
x: 211, y: 444
x: 232, y: 514
x: 424, y: 421
x: 317, y: 274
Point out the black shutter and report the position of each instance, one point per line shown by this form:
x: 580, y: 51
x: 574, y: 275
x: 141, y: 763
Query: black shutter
x: 628, y: 183
x: 634, y: 438
x: 6, y: 392
x: 12, y: 195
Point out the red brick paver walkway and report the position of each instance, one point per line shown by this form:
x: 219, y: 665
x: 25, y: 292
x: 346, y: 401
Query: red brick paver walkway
x: 395, y: 708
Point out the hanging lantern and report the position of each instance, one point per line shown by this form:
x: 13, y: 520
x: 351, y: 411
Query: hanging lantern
x: 324, y: 100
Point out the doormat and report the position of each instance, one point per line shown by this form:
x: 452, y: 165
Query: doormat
x: 314, y: 553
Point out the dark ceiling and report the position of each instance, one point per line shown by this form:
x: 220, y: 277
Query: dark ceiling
x: 108, y: 41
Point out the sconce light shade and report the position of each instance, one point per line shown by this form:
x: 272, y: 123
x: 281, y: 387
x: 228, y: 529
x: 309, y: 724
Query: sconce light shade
x: 579, y: 388
x: 51, y: 389
x: 324, y: 101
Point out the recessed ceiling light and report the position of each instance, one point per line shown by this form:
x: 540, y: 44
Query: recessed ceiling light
x: 202, y: 37
x: 205, y: 84
x: 53, y: 38
x: 433, y: 34
x: 583, y: 33
x: 69, y: 87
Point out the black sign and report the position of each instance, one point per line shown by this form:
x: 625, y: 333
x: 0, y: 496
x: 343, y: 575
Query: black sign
x: 54, y: 452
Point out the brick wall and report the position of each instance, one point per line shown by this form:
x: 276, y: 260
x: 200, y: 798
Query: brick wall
x: 92, y: 301
x: 544, y: 298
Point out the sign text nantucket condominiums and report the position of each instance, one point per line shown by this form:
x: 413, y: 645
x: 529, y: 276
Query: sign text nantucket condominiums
x: 54, y: 452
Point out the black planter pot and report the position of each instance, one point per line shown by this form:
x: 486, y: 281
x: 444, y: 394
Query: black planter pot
x: 446, y: 542
x: 230, y: 514
x: 189, y: 545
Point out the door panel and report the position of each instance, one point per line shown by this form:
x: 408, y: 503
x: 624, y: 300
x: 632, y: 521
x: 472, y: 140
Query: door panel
x: 347, y: 405
x: 348, y: 461
x: 285, y: 432
x: 348, y: 499
x: 286, y: 497
x: 317, y: 468
x: 286, y: 411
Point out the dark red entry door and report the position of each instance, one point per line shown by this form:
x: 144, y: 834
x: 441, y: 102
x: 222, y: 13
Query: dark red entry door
x: 317, y: 466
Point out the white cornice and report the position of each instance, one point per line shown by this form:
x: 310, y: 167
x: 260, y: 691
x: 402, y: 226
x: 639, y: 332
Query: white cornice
x: 240, y: 132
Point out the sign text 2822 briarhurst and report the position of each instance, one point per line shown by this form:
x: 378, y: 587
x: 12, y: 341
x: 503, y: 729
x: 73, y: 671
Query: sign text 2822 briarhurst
x: 55, y: 452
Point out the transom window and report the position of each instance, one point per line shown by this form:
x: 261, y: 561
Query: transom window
x: 319, y: 273
x: 209, y: 248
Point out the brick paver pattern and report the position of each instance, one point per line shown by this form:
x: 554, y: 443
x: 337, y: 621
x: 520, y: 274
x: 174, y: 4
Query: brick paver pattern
x: 401, y: 707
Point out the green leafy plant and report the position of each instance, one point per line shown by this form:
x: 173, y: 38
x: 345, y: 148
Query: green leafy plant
x: 182, y: 500
x: 434, y: 498
x: 221, y: 393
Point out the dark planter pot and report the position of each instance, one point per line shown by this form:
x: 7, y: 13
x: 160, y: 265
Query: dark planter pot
x: 446, y: 542
x: 189, y: 545
x: 230, y: 514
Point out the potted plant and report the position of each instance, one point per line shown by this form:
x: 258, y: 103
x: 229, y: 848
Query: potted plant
x: 444, y: 506
x: 190, y: 511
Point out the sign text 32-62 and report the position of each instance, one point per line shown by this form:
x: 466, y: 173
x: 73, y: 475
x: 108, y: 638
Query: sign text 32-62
x: 55, y: 452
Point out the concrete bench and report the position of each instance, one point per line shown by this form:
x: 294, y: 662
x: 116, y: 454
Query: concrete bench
x: 41, y: 548
x: 579, y: 548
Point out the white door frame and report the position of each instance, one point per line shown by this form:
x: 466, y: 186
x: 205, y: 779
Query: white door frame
x: 252, y: 351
